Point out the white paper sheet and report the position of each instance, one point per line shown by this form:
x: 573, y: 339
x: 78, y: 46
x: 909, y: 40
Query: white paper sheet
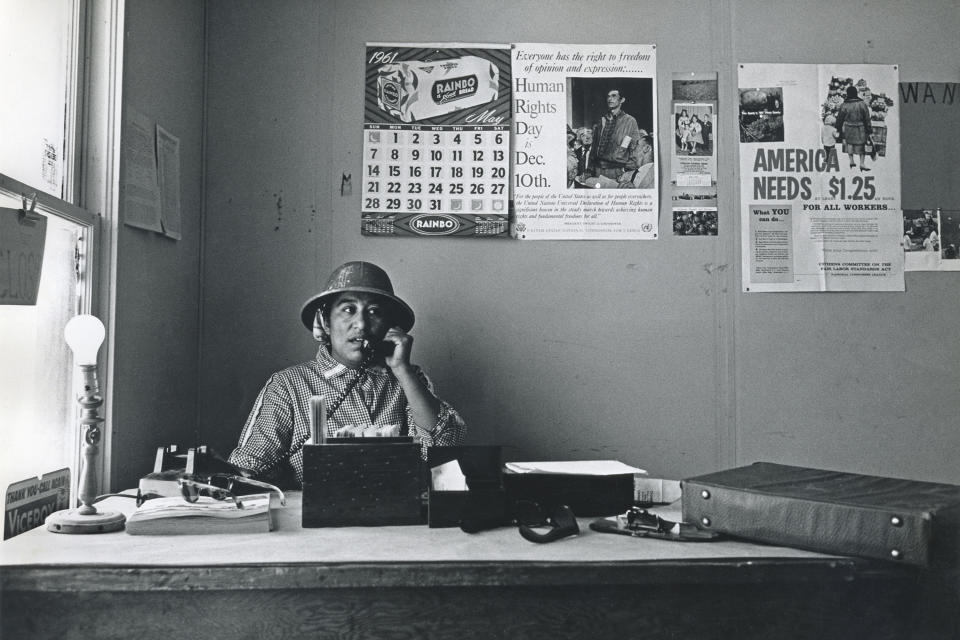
x: 578, y: 467
x: 141, y: 189
x: 448, y: 477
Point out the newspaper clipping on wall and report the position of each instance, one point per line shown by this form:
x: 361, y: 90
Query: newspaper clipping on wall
x: 584, y: 155
x: 820, y: 178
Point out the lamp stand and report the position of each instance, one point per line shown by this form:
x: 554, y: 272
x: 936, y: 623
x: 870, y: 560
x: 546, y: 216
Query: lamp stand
x: 86, y: 518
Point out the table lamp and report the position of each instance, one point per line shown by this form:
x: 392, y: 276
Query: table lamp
x: 84, y: 334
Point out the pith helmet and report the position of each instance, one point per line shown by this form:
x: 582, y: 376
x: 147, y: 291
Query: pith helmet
x: 363, y: 277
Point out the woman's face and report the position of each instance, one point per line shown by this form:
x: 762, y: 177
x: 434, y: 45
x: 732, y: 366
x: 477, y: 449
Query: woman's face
x: 355, y: 318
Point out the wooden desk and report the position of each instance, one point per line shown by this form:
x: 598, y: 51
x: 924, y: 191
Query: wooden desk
x: 416, y: 582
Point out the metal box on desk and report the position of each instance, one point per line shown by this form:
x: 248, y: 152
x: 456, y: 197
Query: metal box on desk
x: 361, y: 482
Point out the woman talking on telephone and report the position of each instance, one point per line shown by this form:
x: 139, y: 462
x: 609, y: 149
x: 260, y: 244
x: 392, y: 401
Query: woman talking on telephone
x: 363, y: 371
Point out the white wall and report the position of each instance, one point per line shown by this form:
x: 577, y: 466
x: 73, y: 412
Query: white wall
x: 642, y: 351
x: 158, y: 279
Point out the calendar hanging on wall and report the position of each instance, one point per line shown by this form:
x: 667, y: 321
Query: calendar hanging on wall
x: 436, y: 140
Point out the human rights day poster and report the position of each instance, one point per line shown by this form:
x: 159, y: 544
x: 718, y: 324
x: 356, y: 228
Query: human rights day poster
x: 585, y: 161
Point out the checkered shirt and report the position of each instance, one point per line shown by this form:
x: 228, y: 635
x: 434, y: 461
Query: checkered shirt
x: 271, y: 445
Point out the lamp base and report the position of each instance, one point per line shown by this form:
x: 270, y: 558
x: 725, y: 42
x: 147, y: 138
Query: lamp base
x: 72, y: 521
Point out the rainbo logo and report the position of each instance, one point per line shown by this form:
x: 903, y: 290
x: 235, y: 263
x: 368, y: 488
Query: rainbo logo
x: 434, y: 224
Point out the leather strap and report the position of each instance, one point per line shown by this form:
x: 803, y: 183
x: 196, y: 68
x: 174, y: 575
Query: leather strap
x: 562, y: 524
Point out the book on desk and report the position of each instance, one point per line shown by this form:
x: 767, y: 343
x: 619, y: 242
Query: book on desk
x: 174, y: 515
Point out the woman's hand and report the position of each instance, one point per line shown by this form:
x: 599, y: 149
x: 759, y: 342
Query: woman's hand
x: 400, y: 358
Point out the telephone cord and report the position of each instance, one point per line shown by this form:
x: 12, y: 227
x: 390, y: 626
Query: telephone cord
x: 334, y: 405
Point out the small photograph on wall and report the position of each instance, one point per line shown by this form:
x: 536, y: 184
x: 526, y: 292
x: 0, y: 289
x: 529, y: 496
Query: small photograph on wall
x: 921, y: 230
x: 693, y: 129
x: 695, y: 222
x: 694, y: 87
x: 931, y: 240
x: 693, y: 159
x: 761, y: 114
x: 695, y: 197
x: 921, y: 240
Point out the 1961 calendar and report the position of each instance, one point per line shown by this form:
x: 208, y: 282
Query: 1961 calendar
x: 436, y: 141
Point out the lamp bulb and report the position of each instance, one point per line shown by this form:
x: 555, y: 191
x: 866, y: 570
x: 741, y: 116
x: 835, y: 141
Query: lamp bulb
x: 84, y: 334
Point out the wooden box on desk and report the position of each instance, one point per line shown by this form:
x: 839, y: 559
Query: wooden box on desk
x: 361, y: 482
x: 484, y: 501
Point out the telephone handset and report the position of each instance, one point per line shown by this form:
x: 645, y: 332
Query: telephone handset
x: 384, y: 348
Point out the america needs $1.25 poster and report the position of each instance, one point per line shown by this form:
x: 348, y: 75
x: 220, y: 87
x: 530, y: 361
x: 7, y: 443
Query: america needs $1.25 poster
x: 820, y: 178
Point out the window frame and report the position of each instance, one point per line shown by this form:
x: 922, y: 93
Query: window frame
x: 91, y: 183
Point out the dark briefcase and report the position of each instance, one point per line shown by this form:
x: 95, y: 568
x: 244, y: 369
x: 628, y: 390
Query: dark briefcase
x: 830, y: 511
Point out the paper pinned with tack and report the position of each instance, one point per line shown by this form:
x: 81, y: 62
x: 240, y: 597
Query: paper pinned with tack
x: 448, y: 477
x: 575, y: 467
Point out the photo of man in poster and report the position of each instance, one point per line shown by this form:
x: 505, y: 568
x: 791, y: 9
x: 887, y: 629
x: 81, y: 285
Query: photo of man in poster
x: 617, y: 113
x: 617, y: 136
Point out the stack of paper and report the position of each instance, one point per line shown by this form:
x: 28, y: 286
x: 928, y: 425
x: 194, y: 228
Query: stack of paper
x: 577, y: 467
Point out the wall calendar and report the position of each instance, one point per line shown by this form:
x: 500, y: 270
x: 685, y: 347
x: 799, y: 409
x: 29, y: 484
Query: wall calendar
x: 436, y: 140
